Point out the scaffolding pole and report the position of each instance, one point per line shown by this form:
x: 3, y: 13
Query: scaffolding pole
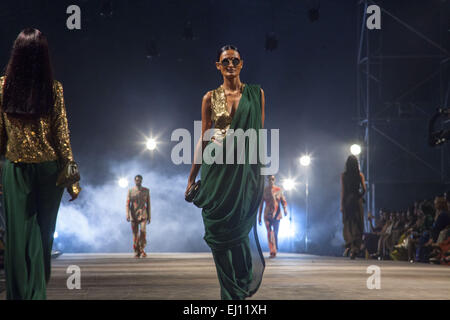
x: 368, y: 63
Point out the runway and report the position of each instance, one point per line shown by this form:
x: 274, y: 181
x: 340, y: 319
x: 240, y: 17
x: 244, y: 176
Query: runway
x: 192, y: 276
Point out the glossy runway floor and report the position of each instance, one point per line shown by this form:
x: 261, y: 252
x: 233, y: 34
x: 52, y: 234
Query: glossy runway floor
x: 289, y: 276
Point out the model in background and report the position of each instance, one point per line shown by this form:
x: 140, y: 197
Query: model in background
x: 34, y: 137
x: 353, y: 189
x: 231, y: 193
x: 273, y: 197
x: 138, y: 213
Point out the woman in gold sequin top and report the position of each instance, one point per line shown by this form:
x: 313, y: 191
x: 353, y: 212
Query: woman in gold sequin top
x: 34, y: 138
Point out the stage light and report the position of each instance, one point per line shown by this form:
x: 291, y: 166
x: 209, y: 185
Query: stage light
x: 287, y: 229
x: 151, y: 144
x: 355, y: 149
x: 122, y: 182
x: 291, y: 230
x: 288, y: 184
x: 305, y: 160
x: 55, y: 235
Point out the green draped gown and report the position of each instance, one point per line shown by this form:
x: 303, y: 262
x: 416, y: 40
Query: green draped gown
x: 229, y: 196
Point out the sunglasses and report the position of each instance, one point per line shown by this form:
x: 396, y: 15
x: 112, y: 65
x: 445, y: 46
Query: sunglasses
x: 227, y: 61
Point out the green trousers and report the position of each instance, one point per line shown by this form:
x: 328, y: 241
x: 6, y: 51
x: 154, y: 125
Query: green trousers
x: 31, y: 202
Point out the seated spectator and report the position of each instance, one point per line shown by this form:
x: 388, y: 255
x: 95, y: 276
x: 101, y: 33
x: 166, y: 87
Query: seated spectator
x: 419, y: 234
x: 410, y: 218
x: 423, y: 249
x: 384, y: 237
x: 400, y: 250
x: 439, y: 230
x: 442, y: 218
x: 370, y: 239
x: 402, y: 222
x: 415, y: 233
x: 397, y: 230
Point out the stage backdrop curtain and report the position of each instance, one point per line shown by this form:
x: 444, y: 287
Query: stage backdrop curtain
x: 229, y: 197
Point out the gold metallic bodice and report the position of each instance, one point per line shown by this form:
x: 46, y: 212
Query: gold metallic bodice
x: 219, y: 113
x: 36, y: 140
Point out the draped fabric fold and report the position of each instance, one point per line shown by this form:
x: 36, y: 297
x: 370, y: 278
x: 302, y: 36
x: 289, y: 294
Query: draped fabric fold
x: 229, y: 196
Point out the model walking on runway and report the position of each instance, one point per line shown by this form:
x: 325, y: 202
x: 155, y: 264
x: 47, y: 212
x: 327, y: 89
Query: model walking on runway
x: 273, y: 199
x: 231, y: 193
x: 139, y: 215
x: 34, y: 137
x: 353, y: 189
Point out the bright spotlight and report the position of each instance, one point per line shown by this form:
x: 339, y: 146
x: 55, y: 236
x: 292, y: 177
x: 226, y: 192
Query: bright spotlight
x: 355, y: 149
x: 151, y: 144
x: 55, y: 235
x: 305, y: 160
x: 123, y: 183
x: 287, y: 229
x: 289, y: 184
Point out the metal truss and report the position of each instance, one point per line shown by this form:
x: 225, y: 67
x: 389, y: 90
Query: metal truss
x: 376, y: 116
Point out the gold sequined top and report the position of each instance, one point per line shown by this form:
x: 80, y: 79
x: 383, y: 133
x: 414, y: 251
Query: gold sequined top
x: 219, y: 113
x: 37, y: 140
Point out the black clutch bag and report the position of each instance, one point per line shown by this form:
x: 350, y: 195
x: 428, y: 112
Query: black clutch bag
x: 192, y: 192
x: 68, y: 175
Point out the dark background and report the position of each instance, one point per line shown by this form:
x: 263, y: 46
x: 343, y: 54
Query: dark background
x: 116, y: 96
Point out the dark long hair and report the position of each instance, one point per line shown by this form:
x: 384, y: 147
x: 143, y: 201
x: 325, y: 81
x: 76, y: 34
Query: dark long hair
x: 28, y: 87
x: 228, y: 47
x: 352, y: 166
x: 351, y: 176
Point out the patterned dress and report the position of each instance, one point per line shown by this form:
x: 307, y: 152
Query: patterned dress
x: 139, y: 211
x: 272, y: 215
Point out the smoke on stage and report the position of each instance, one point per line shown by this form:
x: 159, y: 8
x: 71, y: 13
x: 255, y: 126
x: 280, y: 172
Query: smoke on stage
x: 96, y: 222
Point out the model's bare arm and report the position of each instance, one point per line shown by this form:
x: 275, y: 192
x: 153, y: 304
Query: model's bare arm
x: 363, y: 183
x: 284, y: 203
x: 206, y: 124
x: 260, y: 211
x: 149, y: 209
x: 128, y: 206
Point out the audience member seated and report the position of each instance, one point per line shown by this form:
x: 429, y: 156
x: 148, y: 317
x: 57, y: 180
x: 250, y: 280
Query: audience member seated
x: 421, y: 234
x: 440, y: 231
x: 370, y: 239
